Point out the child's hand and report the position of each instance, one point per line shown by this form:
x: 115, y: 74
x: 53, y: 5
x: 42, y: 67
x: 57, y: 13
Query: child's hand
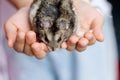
x: 21, y: 38
x: 90, y: 19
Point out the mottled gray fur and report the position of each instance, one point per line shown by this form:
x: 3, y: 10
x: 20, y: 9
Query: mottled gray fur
x: 53, y: 21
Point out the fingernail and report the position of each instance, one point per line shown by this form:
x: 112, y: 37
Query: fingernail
x: 42, y: 46
x: 36, y: 48
x: 84, y: 43
x: 22, y: 35
x: 64, y: 45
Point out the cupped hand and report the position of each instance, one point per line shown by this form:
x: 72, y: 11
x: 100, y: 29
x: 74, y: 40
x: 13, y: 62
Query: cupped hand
x: 21, y: 38
x: 91, y: 24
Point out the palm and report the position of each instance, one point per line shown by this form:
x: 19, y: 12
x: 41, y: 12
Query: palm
x: 20, y: 37
x: 20, y: 20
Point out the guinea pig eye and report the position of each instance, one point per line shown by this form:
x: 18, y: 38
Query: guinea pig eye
x: 59, y: 39
x: 63, y: 25
x: 45, y: 23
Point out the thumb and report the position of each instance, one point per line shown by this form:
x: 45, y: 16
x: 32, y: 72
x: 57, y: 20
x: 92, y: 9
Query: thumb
x: 11, y: 33
x: 97, y: 28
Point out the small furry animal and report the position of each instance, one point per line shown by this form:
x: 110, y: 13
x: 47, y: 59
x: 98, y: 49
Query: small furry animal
x: 54, y: 21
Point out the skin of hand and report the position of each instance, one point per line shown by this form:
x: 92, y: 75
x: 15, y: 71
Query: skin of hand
x: 90, y: 19
x: 22, y: 39
x: 20, y: 3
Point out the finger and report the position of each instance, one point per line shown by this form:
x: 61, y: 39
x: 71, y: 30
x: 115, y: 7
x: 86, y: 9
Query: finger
x: 82, y: 44
x: 38, y: 50
x: 30, y: 37
x: 71, y: 43
x: 27, y: 50
x: 81, y: 49
x: 11, y: 33
x: 64, y: 45
x: 20, y: 41
x: 97, y: 28
x: 90, y: 37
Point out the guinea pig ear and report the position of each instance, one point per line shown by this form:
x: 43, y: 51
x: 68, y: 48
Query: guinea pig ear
x: 63, y: 24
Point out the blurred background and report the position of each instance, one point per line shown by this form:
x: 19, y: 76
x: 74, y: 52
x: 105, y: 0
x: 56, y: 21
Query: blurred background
x: 99, y: 62
x: 116, y: 22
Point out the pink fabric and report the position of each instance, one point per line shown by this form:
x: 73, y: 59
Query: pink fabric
x: 6, y: 10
